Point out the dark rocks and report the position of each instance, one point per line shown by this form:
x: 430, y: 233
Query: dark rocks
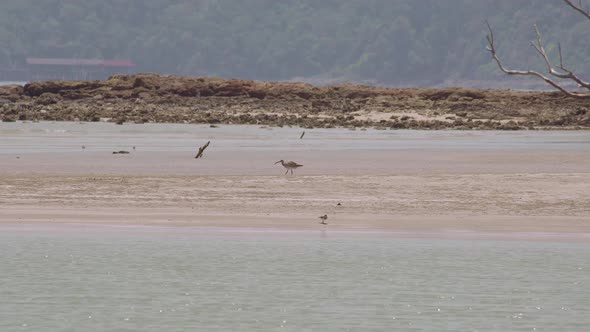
x: 8, y: 118
x: 11, y: 90
x: 48, y: 98
x: 38, y: 88
x: 139, y: 83
x: 142, y: 98
x: 11, y: 93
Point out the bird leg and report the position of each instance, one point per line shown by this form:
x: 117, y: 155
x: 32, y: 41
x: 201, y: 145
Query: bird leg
x: 287, y: 172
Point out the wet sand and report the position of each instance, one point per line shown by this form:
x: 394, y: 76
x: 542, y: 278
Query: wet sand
x: 460, y: 183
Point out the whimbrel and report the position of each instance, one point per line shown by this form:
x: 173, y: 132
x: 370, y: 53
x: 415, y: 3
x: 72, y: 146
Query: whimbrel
x: 289, y: 165
x: 323, y: 219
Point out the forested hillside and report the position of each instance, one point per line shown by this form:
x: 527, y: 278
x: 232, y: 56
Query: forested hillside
x: 396, y: 42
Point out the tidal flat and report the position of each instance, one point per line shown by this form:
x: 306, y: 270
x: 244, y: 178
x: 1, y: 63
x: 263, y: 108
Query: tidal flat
x: 426, y: 230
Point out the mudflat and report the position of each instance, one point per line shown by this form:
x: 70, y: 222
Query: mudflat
x: 449, y: 182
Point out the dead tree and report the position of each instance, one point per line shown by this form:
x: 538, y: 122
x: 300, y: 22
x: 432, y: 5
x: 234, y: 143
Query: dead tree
x: 560, y: 71
x: 201, y: 150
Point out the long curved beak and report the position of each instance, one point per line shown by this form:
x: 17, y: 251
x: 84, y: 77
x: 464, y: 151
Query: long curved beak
x: 277, y: 162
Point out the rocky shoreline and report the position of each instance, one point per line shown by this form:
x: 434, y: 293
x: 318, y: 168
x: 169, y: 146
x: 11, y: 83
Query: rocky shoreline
x: 143, y: 98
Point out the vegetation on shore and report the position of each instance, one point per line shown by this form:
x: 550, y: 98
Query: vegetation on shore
x: 386, y: 42
x: 143, y: 98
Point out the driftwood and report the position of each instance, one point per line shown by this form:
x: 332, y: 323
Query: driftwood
x: 560, y: 71
x: 121, y: 152
x: 201, y: 150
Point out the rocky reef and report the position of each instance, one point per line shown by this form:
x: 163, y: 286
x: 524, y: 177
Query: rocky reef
x: 141, y: 98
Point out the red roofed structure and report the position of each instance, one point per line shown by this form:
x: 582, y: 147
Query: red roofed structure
x: 42, y: 69
x: 118, y: 63
x: 80, y: 62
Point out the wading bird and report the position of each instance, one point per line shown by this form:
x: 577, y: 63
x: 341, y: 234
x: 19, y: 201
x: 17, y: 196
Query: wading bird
x: 289, y: 165
x: 323, y: 219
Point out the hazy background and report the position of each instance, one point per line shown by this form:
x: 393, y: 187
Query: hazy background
x: 390, y: 42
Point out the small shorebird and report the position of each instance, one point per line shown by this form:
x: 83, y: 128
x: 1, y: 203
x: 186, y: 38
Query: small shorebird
x: 323, y: 219
x: 289, y: 165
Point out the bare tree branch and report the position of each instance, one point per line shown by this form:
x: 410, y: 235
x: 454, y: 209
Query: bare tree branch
x: 541, y: 50
x: 566, y: 74
x: 560, y: 57
x: 578, y: 8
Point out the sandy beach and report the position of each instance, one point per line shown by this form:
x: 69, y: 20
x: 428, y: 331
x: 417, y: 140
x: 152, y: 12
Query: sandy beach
x: 390, y: 181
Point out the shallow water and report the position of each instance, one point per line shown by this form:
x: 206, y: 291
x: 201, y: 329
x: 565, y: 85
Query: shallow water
x: 12, y: 82
x: 70, y: 136
x: 157, y: 279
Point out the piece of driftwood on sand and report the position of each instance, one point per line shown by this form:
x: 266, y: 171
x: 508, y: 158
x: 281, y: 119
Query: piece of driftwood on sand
x: 201, y: 150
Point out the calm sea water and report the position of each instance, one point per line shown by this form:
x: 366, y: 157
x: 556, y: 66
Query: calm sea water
x: 183, y: 280
x: 69, y: 136
x: 12, y: 82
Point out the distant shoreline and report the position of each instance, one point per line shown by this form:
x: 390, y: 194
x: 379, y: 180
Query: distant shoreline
x: 5, y: 83
x: 143, y: 98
